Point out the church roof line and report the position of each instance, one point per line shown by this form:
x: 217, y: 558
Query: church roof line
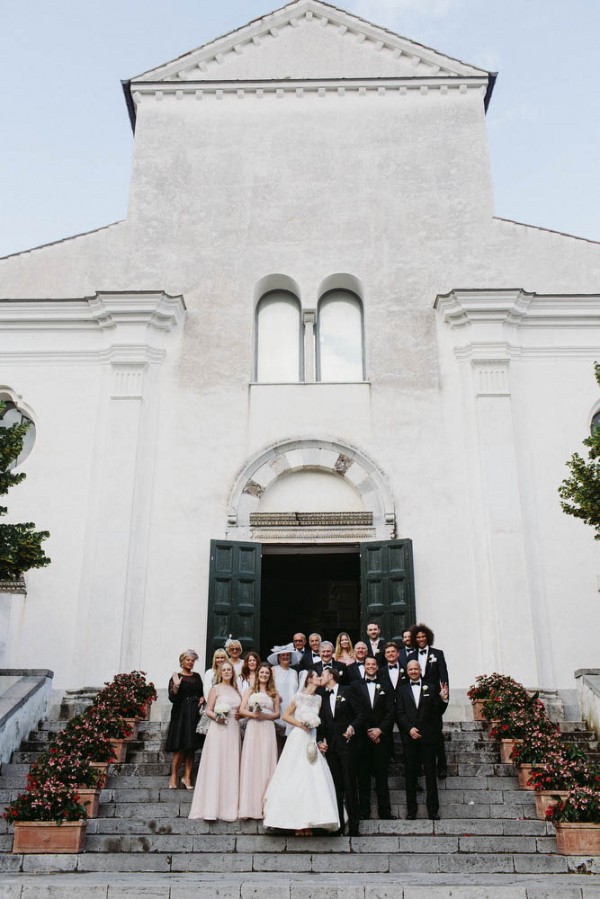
x: 499, y: 218
x: 336, y: 44
x: 52, y: 243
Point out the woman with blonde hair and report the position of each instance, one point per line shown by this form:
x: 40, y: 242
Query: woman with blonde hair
x: 344, y: 651
x: 217, y: 792
x: 260, y: 705
x: 210, y: 675
x: 186, y: 692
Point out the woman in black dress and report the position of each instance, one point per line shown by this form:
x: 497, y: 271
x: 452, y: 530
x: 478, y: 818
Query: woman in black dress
x: 187, y: 695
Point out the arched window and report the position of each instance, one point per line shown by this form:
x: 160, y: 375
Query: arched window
x: 13, y: 416
x: 278, y: 338
x: 595, y: 423
x: 340, y: 345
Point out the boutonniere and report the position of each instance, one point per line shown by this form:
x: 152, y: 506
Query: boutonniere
x: 339, y: 698
x: 432, y: 658
x: 425, y: 688
x: 378, y: 690
x: 401, y: 672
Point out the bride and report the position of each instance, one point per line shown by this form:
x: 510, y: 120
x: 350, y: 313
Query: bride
x: 301, y: 794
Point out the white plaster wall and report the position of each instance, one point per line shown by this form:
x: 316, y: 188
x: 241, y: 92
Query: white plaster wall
x: 394, y: 190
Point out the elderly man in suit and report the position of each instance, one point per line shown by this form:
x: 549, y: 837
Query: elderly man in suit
x: 419, y: 710
x: 374, y: 741
x: 356, y: 670
x: 326, y: 660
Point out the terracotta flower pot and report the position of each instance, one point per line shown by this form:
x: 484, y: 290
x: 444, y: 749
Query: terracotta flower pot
x: 524, y: 773
x: 90, y: 798
x: 477, y: 706
x: 48, y: 836
x: 120, y: 750
x: 506, y: 747
x: 102, y: 768
x: 134, y: 724
x: 578, y: 839
x: 545, y: 798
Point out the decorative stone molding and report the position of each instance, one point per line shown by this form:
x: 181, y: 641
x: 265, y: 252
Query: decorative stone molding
x: 491, y: 378
x: 246, y: 522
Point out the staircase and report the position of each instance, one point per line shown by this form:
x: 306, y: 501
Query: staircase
x: 488, y: 835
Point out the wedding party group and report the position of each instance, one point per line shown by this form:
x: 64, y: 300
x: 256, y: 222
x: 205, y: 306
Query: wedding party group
x: 297, y: 740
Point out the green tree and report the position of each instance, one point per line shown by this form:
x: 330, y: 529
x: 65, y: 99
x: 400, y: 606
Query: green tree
x: 20, y: 545
x: 580, y: 494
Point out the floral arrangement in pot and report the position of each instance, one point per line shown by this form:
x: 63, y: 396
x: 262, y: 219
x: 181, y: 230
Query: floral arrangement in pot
x: 536, y: 745
x: 520, y: 717
x: 85, y: 736
x: 67, y: 768
x: 564, y: 768
x: 582, y: 806
x: 46, y: 800
x: 129, y: 694
x: 493, y: 686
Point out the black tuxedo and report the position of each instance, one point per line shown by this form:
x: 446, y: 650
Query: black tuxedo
x: 404, y: 655
x: 427, y: 718
x: 340, y: 753
x: 373, y: 758
x: 306, y: 662
x: 353, y: 673
x: 436, y: 673
x: 339, y: 666
x: 379, y: 652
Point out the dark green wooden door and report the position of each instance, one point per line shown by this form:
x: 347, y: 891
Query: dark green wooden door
x: 233, y: 595
x: 387, y: 586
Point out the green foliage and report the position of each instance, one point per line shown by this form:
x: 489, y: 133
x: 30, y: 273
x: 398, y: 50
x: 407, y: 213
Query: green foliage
x: 20, y: 544
x: 580, y: 493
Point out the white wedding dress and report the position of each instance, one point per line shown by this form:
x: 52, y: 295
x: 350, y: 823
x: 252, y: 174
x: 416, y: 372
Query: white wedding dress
x: 301, y: 793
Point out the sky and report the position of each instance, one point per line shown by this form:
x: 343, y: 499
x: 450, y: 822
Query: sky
x: 66, y: 140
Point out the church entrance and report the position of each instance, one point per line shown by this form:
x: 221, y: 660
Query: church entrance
x: 263, y: 593
x: 309, y: 589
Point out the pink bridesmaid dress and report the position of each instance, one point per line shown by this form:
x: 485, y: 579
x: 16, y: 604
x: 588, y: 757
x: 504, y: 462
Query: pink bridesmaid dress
x: 259, y: 760
x: 217, y: 790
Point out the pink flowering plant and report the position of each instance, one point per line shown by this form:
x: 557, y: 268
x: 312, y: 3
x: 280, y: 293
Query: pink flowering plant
x: 66, y: 767
x: 487, y: 686
x: 564, y: 768
x: 536, y: 746
x: 128, y: 694
x: 48, y: 800
x: 86, y: 736
x: 582, y: 806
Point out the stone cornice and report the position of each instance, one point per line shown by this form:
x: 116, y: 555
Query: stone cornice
x: 105, y: 310
x: 518, y: 308
x: 307, y: 88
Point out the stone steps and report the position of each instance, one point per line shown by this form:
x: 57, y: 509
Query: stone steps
x: 488, y: 827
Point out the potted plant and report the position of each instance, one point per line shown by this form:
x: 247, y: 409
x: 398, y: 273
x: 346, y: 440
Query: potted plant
x: 73, y: 770
x: 577, y: 822
x: 488, y: 686
x: 47, y: 817
x: 534, y: 750
x: 563, y: 769
x: 85, y: 736
x: 130, y: 695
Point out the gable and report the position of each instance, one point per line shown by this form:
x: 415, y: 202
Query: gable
x: 309, y: 39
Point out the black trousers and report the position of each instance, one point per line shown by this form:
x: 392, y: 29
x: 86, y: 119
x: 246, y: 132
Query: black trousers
x: 343, y: 770
x: 373, y: 760
x: 417, y: 753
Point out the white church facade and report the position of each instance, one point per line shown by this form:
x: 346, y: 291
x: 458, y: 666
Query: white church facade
x: 311, y: 379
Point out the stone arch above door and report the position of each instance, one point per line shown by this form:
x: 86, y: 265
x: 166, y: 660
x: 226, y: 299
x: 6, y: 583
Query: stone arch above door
x: 367, y: 511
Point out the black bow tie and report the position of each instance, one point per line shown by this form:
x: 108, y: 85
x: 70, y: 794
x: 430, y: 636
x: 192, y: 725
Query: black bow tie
x: 415, y: 683
x: 422, y: 652
x: 370, y: 680
x: 325, y: 667
x: 393, y: 667
x: 330, y: 691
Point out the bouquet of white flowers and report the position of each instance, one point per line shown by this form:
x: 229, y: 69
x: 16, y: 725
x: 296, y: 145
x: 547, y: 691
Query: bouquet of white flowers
x: 221, y: 711
x: 257, y: 702
x: 310, y: 720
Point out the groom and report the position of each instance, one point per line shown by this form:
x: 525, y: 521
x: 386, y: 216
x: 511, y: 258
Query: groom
x: 340, y: 720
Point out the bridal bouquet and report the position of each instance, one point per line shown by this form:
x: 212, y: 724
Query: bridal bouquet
x: 221, y: 711
x: 310, y: 720
x: 257, y: 702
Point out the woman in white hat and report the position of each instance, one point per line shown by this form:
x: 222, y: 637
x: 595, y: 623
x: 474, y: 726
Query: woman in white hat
x: 286, y: 679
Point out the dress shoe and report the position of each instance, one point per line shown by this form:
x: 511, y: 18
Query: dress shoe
x: 353, y: 832
x: 411, y: 817
x: 387, y: 817
x: 435, y: 817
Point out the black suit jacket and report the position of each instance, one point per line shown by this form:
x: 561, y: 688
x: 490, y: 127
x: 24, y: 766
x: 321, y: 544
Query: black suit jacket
x: 379, y: 655
x: 347, y: 712
x: 353, y: 673
x: 427, y: 717
x: 436, y: 670
x: 306, y: 662
x: 381, y: 714
x: 339, y: 666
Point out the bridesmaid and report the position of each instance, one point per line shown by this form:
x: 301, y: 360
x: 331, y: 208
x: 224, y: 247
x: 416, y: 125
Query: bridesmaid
x: 250, y: 667
x: 217, y: 790
x: 259, y: 756
x: 210, y: 675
